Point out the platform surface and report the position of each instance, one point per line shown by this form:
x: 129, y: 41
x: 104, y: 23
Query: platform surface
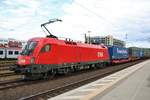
x: 135, y: 87
x: 132, y: 83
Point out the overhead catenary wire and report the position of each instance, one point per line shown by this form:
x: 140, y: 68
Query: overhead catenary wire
x: 94, y: 13
x: 102, y: 18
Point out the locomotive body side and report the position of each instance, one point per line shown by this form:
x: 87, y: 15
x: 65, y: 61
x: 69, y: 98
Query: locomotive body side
x: 94, y: 53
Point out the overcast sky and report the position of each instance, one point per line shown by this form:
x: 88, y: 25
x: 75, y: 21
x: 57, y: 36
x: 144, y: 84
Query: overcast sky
x: 128, y: 20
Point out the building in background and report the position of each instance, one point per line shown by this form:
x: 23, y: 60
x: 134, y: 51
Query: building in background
x: 118, y: 42
x: 106, y: 40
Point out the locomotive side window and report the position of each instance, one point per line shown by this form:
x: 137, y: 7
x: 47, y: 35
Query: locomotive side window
x: 1, y: 52
x: 46, y: 48
x: 10, y: 52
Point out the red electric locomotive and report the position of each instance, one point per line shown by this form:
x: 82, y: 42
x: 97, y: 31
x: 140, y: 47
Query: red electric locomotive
x: 47, y: 56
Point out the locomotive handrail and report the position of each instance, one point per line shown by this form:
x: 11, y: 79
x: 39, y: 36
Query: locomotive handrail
x: 49, y: 22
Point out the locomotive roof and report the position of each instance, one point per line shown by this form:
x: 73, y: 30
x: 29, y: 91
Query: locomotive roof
x: 64, y: 42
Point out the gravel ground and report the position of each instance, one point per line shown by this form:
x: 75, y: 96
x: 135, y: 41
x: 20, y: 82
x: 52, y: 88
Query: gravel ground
x: 5, y: 71
x: 4, y: 67
x: 10, y: 77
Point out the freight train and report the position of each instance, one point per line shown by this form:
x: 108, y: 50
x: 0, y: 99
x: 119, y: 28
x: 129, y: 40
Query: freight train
x: 44, y: 57
x: 48, y: 56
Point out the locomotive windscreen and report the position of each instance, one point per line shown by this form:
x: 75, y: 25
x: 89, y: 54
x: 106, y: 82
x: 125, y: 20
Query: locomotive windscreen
x: 29, y: 48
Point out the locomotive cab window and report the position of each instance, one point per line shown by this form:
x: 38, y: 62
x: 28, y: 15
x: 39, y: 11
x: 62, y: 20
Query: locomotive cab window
x: 46, y: 48
x: 29, y: 48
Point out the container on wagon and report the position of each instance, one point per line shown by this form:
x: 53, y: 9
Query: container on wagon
x: 146, y: 52
x: 117, y: 52
x: 135, y: 52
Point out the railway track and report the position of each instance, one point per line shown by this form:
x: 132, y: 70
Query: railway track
x: 11, y: 83
x: 7, y: 74
x: 7, y: 63
x: 16, y: 83
x: 72, y: 85
x: 4, y: 68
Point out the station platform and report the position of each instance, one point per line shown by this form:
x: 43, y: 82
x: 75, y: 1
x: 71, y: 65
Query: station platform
x: 132, y: 83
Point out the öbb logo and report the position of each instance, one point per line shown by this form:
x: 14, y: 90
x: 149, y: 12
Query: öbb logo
x: 100, y: 54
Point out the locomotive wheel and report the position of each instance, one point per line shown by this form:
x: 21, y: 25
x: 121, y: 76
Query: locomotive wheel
x: 92, y: 66
x: 99, y: 66
x: 45, y: 76
x: 52, y: 74
x: 67, y: 70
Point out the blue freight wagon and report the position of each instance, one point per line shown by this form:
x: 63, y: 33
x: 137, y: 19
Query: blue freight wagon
x: 118, y: 54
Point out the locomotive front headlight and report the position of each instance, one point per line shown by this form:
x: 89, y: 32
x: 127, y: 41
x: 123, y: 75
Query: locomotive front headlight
x: 22, y: 60
x: 32, y: 60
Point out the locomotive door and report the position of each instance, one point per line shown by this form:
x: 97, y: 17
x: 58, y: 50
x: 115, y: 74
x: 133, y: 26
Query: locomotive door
x: 43, y: 57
